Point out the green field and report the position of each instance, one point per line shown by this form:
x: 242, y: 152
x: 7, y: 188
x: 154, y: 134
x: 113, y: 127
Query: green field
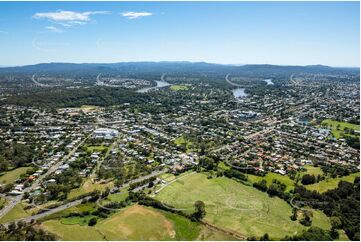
x: 167, y: 177
x: 331, y: 183
x: 72, y: 232
x: 117, y: 197
x: 15, y: 213
x: 133, y: 223
x: 182, y: 141
x: 340, y: 133
x: 237, y: 207
x: 312, y: 170
x: 270, y: 176
x: 178, y: 88
x: 97, y: 148
x: 88, y: 186
x: 13, y: 175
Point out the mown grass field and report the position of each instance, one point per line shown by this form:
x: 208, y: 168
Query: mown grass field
x: 13, y: 175
x: 332, y: 124
x: 312, y: 170
x: 237, y: 207
x: 15, y: 213
x: 331, y: 183
x: 178, y: 88
x: 98, y: 148
x: 133, y: 223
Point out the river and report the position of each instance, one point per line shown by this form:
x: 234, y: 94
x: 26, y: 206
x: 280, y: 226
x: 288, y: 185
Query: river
x: 269, y: 81
x: 239, y: 93
x: 160, y: 84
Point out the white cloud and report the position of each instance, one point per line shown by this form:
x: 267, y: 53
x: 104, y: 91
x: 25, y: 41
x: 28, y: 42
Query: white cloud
x: 54, y: 29
x: 134, y: 15
x: 68, y: 18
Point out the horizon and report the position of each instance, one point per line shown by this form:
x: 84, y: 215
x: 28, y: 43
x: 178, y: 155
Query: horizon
x: 175, y: 61
x: 228, y: 33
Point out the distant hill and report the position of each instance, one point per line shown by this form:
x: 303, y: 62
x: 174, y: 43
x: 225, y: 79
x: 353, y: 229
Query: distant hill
x: 157, y: 67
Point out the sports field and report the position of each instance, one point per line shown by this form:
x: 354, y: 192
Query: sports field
x: 331, y: 183
x: 133, y: 223
x: 97, y: 148
x: 178, y: 88
x: 13, y: 175
x: 234, y: 206
x: 339, y: 133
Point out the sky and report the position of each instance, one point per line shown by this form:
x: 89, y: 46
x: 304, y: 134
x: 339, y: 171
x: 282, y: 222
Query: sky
x: 283, y: 33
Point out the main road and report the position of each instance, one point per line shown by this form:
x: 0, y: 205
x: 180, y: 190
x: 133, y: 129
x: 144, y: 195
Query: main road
x: 77, y: 202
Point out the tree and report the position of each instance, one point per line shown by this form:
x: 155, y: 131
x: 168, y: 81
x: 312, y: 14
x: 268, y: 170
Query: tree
x: 308, y: 179
x: 93, y: 221
x: 200, y: 211
x: 294, y: 214
x: 261, y: 185
x: 265, y: 237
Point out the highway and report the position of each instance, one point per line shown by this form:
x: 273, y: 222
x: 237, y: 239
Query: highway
x: 232, y: 83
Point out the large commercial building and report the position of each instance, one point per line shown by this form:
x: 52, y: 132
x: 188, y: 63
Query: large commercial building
x: 104, y: 133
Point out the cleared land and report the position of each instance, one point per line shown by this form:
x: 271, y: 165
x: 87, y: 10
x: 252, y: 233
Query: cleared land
x: 88, y: 186
x: 13, y: 175
x: 338, y: 128
x: 331, y: 183
x: 126, y: 224
x: 237, y: 207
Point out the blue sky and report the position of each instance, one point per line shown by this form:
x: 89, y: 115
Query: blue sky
x: 286, y: 33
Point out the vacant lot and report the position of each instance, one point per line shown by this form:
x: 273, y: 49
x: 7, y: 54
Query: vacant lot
x: 235, y: 206
x: 13, y: 175
x: 88, y: 186
x: 331, y: 183
x: 338, y: 128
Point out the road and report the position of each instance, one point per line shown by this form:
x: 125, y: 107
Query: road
x: 77, y: 202
x: 13, y: 201
x: 49, y: 212
x: 38, y: 83
x: 232, y: 83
